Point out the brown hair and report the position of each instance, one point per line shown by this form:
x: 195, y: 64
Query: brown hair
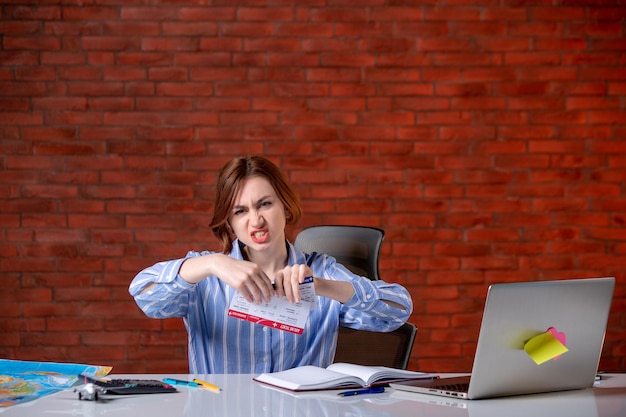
x: 229, y: 183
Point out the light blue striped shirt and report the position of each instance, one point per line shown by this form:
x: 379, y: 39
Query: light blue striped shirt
x: 221, y: 344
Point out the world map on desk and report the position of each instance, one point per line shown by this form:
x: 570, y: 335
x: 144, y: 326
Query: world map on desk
x: 22, y: 381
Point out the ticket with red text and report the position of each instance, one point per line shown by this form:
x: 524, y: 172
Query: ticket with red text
x: 278, y: 313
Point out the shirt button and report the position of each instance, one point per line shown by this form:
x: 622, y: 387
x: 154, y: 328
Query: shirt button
x: 368, y: 296
x: 264, y: 329
x: 362, y: 304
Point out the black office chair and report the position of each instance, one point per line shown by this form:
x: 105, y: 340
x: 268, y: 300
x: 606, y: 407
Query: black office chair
x: 355, y: 247
x: 358, y: 248
x: 391, y: 349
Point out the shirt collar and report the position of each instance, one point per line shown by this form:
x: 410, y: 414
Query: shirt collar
x: 294, y: 256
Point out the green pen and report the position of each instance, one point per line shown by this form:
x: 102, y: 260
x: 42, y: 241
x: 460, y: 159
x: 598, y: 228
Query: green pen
x: 173, y: 381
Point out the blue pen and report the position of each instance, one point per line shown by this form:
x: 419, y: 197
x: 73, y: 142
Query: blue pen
x: 173, y: 381
x: 372, y: 390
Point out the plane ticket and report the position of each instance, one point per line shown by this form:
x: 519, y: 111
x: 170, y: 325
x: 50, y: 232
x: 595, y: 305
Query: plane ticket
x: 278, y: 313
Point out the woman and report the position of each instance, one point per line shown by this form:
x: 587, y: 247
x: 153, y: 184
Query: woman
x: 253, y: 204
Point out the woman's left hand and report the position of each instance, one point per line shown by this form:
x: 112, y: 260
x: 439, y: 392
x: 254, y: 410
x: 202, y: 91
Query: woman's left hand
x: 287, y: 281
x: 287, y: 284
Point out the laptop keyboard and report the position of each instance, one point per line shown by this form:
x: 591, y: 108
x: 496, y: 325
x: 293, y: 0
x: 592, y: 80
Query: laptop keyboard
x: 121, y: 386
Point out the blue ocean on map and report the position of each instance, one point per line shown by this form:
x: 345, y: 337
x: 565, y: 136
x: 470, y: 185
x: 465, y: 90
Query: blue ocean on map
x: 22, y: 381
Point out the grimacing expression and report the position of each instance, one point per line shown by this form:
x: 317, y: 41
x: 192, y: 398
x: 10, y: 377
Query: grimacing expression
x: 258, y: 215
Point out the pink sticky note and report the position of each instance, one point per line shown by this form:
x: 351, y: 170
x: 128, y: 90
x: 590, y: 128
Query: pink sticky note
x: 560, y: 336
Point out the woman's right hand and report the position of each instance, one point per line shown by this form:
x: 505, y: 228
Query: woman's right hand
x: 244, y: 276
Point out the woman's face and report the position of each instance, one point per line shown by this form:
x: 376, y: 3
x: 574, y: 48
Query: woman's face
x: 258, y: 216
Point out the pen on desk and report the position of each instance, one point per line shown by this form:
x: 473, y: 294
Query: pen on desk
x: 208, y: 386
x: 173, y: 381
x: 372, y: 390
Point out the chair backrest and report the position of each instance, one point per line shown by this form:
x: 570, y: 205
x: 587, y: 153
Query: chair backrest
x: 358, y: 248
x: 355, y: 247
x: 391, y: 349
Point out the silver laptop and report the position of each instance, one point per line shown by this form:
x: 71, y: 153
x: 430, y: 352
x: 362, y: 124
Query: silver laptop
x: 514, y: 313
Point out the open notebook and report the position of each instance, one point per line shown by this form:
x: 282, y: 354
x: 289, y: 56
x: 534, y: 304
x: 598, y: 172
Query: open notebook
x: 516, y: 354
x: 335, y: 376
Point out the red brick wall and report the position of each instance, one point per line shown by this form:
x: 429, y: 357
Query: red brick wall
x: 487, y: 138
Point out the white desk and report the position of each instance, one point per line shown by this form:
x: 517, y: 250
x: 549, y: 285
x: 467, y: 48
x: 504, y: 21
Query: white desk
x: 242, y: 397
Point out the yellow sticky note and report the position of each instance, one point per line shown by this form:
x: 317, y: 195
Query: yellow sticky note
x: 544, y: 347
